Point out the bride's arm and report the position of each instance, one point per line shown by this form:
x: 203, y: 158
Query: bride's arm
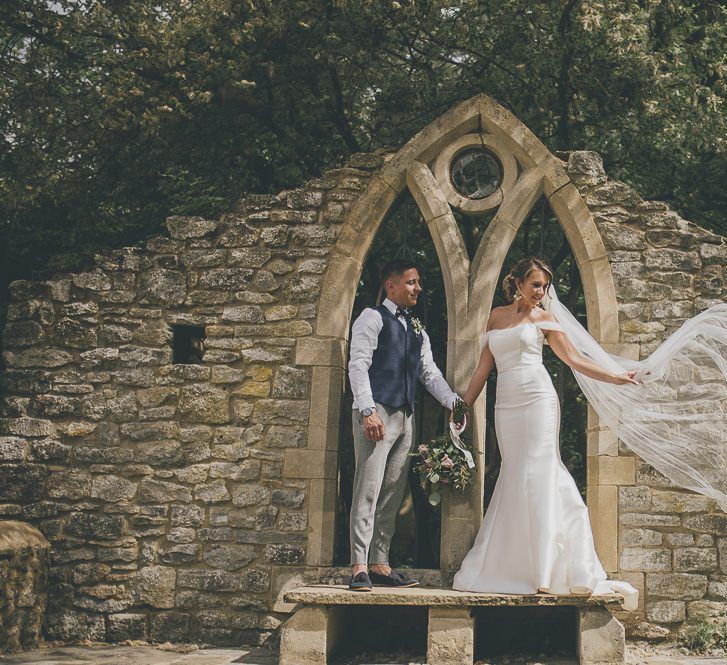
x: 479, y: 378
x: 563, y: 348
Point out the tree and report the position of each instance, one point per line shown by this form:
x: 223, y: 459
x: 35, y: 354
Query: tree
x: 115, y: 114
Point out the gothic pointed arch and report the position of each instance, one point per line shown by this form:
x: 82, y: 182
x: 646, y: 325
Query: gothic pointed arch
x: 531, y: 172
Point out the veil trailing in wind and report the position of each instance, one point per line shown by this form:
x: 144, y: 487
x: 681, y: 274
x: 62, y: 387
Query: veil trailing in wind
x: 676, y: 420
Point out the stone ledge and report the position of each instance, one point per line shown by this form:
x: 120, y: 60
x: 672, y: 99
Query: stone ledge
x: 327, y: 594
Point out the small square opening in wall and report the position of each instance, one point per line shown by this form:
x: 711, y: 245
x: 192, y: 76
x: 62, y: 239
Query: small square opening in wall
x: 187, y: 344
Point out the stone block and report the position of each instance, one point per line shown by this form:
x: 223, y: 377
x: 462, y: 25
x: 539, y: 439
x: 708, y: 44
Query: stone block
x: 666, y: 611
x: 695, y: 559
x: 184, y: 228
x: 204, y: 404
x: 157, y: 491
x: 304, y: 638
x: 607, y: 470
x: 121, y: 627
x: 681, y: 502
x: 162, y: 287
x: 208, y: 580
x: 601, y: 638
x: 637, y: 559
x: 640, y: 538
x: 154, y: 586
x: 229, y: 557
x: 679, y: 586
x: 706, y: 608
x: 450, y: 638
x: 319, y: 464
x: 603, y: 511
x: 91, y: 526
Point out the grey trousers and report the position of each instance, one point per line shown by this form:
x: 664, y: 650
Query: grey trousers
x: 379, y: 484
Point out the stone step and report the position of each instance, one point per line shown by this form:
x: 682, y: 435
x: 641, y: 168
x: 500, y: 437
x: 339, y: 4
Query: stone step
x: 338, y: 594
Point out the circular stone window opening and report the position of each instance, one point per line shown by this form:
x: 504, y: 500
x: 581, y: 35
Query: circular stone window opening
x: 476, y: 173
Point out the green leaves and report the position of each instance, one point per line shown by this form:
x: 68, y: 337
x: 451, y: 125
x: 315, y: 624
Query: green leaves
x: 114, y: 115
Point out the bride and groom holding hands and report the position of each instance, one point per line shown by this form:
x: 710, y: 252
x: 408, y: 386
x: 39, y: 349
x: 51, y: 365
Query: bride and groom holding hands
x: 535, y: 536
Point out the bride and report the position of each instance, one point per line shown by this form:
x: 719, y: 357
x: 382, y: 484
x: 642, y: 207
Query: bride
x: 535, y: 535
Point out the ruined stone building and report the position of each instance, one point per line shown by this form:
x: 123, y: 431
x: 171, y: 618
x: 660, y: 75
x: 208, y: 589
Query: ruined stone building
x: 171, y: 418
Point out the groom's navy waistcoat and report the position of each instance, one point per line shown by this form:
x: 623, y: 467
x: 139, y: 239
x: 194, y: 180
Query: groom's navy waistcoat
x: 395, y: 363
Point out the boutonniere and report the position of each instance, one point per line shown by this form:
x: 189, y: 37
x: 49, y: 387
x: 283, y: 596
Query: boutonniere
x: 417, y: 325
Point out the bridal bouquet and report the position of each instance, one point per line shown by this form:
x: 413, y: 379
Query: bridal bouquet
x: 445, y: 460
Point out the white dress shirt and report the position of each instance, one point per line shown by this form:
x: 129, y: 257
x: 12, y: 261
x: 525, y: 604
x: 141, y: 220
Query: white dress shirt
x: 364, y: 340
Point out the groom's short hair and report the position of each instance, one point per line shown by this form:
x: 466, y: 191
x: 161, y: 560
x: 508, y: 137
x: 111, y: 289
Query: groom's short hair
x: 396, y: 268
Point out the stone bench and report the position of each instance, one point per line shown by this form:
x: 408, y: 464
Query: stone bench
x: 311, y: 635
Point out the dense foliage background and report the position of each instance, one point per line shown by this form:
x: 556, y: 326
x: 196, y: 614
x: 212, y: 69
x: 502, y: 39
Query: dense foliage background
x: 114, y: 113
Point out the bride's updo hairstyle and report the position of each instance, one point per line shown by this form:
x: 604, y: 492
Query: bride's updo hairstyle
x: 520, y: 271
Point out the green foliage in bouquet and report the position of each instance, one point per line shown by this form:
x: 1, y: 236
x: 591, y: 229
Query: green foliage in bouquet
x: 440, y: 462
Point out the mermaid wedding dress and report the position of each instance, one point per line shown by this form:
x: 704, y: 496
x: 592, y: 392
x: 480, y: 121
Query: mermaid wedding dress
x: 536, y: 534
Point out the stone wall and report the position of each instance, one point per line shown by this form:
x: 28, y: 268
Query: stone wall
x: 672, y: 543
x: 160, y: 486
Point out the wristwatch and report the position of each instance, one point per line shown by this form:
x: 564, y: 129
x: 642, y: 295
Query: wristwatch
x: 368, y: 411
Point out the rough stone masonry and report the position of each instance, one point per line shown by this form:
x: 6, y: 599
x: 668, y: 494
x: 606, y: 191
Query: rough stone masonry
x: 160, y: 486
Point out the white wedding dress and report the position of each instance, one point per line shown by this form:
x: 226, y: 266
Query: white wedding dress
x: 536, y: 534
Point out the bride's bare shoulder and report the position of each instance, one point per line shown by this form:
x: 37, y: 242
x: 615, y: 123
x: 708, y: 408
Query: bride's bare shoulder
x: 495, y: 316
x: 542, y: 315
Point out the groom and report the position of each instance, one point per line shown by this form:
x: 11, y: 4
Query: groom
x: 389, y: 351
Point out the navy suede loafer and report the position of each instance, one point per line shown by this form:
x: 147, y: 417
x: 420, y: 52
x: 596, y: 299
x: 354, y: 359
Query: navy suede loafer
x: 360, y: 582
x: 393, y: 579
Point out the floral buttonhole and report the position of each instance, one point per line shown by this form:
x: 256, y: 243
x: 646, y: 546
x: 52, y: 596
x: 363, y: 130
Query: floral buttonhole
x: 417, y: 325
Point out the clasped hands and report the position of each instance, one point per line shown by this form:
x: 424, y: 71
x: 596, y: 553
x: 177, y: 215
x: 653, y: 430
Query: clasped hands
x: 374, y: 426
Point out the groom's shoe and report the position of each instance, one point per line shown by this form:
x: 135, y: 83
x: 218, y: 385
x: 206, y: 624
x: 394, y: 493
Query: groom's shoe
x: 393, y: 579
x: 360, y: 582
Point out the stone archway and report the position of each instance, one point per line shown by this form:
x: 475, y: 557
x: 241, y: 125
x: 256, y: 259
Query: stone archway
x: 470, y: 286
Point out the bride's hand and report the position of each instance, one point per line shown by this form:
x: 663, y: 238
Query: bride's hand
x: 628, y: 377
x: 458, y: 426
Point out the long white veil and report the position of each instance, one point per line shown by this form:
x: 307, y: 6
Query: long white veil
x: 676, y: 420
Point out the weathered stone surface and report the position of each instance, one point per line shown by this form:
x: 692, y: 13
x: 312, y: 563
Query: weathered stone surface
x: 22, y: 483
x: 121, y: 627
x: 244, y: 314
x: 694, y: 559
x: 680, y: 586
x: 637, y: 559
x: 666, y: 611
x: 213, y: 492
x: 338, y: 594
x: 290, y: 383
x: 250, y: 495
x: 88, y: 525
x: 284, y: 555
x: 183, y: 228
x: 187, y: 516
x: 208, y: 580
x: 229, y: 557
x: 74, y: 333
x: 112, y: 488
x: 204, y: 404
x: 154, y: 586
x: 162, y: 287
x: 96, y: 280
x: 156, y: 491
x: 23, y: 333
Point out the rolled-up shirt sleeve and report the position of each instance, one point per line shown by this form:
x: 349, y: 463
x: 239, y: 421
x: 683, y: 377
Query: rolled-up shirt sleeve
x: 431, y: 376
x: 364, y: 339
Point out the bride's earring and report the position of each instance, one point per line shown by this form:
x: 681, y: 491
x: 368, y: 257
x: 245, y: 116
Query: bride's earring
x: 518, y: 295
